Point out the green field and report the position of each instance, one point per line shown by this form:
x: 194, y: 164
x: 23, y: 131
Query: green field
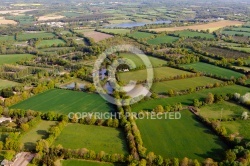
x: 116, y: 31
x: 141, y: 35
x: 245, y: 49
x: 162, y: 40
x: 183, y: 84
x: 214, y: 70
x: 37, y: 35
x: 49, y: 43
x: 7, y: 84
x: 181, y: 138
x: 13, y: 58
x: 242, y: 29
x: 187, y: 100
x: 233, y: 33
x: 187, y: 33
x: 97, y: 138
x: 86, y: 163
x: 65, y: 101
x: 38, y: 132
x: 240, y: 127
x: 138, y: 61
x: 160, y: 72
x: 6, y: 38
x: 222, y: 110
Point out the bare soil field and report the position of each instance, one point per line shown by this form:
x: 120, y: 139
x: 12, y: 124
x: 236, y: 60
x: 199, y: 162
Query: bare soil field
x: 3, y: 21
x: 48, y: 17
x: 213, y: 26
x: 15, y: 12
x: 97, y: 36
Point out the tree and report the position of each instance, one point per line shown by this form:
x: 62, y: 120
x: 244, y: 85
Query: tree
x: 8, y: 155
x: 175, y: 162
x: 210, y: 98
x: 1, y: 145
x: 24, y: 127
x: 197, y: 103
x: 159, y: 108
x: 230, y: 156
x: 42, y: 146
x: 184, y: 162
x: 245, y: 115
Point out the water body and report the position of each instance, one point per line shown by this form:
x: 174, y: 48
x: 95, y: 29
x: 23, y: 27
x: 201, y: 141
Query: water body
x: 136, y: 24
x: 72, y: 86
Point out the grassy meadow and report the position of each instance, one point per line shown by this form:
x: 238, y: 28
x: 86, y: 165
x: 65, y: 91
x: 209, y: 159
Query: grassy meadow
x: 97, y: 138
x: 214, y: 70
x: 64, y: 102
x: 168, y: 139
x: 13, y: 58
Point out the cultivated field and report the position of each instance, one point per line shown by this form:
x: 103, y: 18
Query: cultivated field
x: 40, y: 131
x: 65, y: 101
x: 168, y: 139
x: 13, y: 58
x: 187, y: 100
x: 214, y: 70
x: 97, y: 138
x: 138, y: 62
x: 187, y: 33
x: 49, y: 17
x: 233, y: 33
x: 222, y: 110
x: 210, y: 26
x: 141, y: 35
x: 97, y: 36
x: 115, y: 31
x: 49, y: 43
x: 6, y: 21
x: 159, y: 73
x: 162, y: 40
x: 183, y: 84
x: 37, y: 35
x: 7, y: 84
x: 86, y: 163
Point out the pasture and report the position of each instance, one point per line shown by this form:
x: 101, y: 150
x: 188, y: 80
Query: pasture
x: 222, y: 110
x: 244, y: 49
x: 6, y: 84
x: 97, y: 138
x: 214, y: 70
x: 192, y: 34
x: 166, y: 138
x: 159, y: 73
x: 49, y: 43
x: 138, y: 62
x: 13, y: 58
x: 97, y: 36
x: 141, y: 35
x: 6, y: 38
x: 116, y: 31
x: 64, y: 102
x: 35, y: 35
x: 238, y: 128
x: 86, y: 163
x: 162, y: 40
x: 241, y: 29
x: 40, y: 131
x: 187, y: 100
x: 213, y: 26
x: 182, y: 84
x: 233, y: 33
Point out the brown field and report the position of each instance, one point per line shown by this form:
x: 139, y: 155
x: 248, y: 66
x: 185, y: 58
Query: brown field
x: 97, y: 36
x: 14, y: 12
x: 213, y: 26
x: 3, y: 21
x: 45, y: 18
